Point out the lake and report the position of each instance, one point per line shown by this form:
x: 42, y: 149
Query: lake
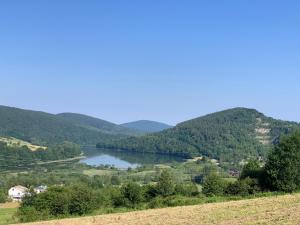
x: 125, y: 160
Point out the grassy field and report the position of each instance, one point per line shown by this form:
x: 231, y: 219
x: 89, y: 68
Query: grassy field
x: 268, y: 210
x: 99, y: 172
x: 7, y: 212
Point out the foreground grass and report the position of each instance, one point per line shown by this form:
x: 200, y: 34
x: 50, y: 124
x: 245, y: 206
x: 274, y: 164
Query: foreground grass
x: 266, y: 210
x: 7, y: 212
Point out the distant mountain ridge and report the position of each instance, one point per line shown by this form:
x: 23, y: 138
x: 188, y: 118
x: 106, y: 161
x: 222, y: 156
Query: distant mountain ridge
x: 229, y: 135
x: 146, y: 126
x: 44, y: 128
x: 97, y: 124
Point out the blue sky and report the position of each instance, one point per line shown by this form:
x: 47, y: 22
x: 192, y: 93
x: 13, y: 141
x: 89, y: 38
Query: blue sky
x: 162, y: 60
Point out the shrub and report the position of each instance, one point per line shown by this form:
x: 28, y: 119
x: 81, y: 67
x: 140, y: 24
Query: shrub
x: 198, y: 179
x: 103, y: 197
x: 213, y: 185
x: 117, y: 197
x: 30, y: 214
x: 252, y: 169
x: 132, y: 193
x: 3, y: 196
x: 165, y: 184
x: 186, y: 189
x: 243, y: 187
x: 115, y: 180
x: 156, y: 203
x: 56, y: 202
x: 81, y: 200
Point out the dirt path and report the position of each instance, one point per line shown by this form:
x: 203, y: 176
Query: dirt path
x: 60, y: 160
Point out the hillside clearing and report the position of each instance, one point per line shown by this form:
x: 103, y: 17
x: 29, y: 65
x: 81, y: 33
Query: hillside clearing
x: 14, y: 142
x: 94, y: 172
x: 267, y: 210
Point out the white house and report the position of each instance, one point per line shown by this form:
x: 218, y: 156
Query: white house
x: 17, y: 193
x: 40, y: 189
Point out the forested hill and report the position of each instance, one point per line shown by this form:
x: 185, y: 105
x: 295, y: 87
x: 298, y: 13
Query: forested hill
x: 45, y: 128
x: 147, y: 126
x: 230, y: 135
x: 98, y: 124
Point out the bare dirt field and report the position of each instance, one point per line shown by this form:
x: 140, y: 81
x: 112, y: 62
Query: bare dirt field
x: 9, y: 205
x: 270, y: 210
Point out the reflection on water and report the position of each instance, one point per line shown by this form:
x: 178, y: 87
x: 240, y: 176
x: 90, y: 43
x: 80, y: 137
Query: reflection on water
x: 125, y: 159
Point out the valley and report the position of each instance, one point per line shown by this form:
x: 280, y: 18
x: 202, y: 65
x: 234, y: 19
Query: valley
x: 219, y: 157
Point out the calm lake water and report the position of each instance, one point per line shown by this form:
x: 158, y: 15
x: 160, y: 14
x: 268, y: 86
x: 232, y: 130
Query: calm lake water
x: 125, y: 160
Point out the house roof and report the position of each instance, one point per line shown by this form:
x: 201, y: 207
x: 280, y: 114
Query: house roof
x: 20, y: 188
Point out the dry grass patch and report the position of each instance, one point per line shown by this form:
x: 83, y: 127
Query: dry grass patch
x: 269, y: 210
x: 93, y: 172
x: 9, y: 205
x: 14, y: 142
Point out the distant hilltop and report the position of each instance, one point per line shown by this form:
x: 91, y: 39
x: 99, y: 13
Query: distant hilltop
x: 146, y: 126
x: 230, y: 135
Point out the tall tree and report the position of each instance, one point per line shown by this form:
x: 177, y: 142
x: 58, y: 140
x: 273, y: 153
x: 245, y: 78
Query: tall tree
x: 283, y: 165
x: 165, y: 185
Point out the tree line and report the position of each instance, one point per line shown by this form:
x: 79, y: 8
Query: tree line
x: 64, y: 201
x: 12, y: 157
x: 281, y: 172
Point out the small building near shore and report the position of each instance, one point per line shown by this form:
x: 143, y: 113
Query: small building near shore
x: 16, y: 193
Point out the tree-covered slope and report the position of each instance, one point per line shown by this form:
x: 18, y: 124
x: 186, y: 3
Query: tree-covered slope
x: 97, y: 124
x: 147, y: 126
x: 13, y: 157
x: 230, y: 135
x: 45, y: 128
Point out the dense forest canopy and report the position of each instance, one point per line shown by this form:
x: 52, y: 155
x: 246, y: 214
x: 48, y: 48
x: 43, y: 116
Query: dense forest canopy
x: 45, y: 128
x: 12, y: 157
x: 230, y: 135
x: 98, y: 124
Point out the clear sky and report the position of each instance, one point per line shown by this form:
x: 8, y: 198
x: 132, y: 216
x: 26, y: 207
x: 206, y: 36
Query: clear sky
x: 162, y: 60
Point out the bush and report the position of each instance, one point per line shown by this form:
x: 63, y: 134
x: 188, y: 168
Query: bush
x: 252, y: 169
x: 213, y: 185
x: 117, y: 197
x: 156, y: 203
x: 150, y: 192
x: 132, y: 194
x: 186, y: 189
x: 115, y: 180
x: 165, y: 185
x: 103, y: 197
x: 198, y: 179
x: 243, y: 187
x: 3, y: 196
x: 56, y: 202
x: 81, y: 200
x: 30, y: 214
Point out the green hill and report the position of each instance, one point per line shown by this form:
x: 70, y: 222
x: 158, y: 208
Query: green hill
x: 147, y: 126
x: 230, y: 135
x: 97, y: 124
x: 44, y: 128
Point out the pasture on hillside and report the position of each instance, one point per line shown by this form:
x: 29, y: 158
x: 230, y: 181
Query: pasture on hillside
x: 267, y: 210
